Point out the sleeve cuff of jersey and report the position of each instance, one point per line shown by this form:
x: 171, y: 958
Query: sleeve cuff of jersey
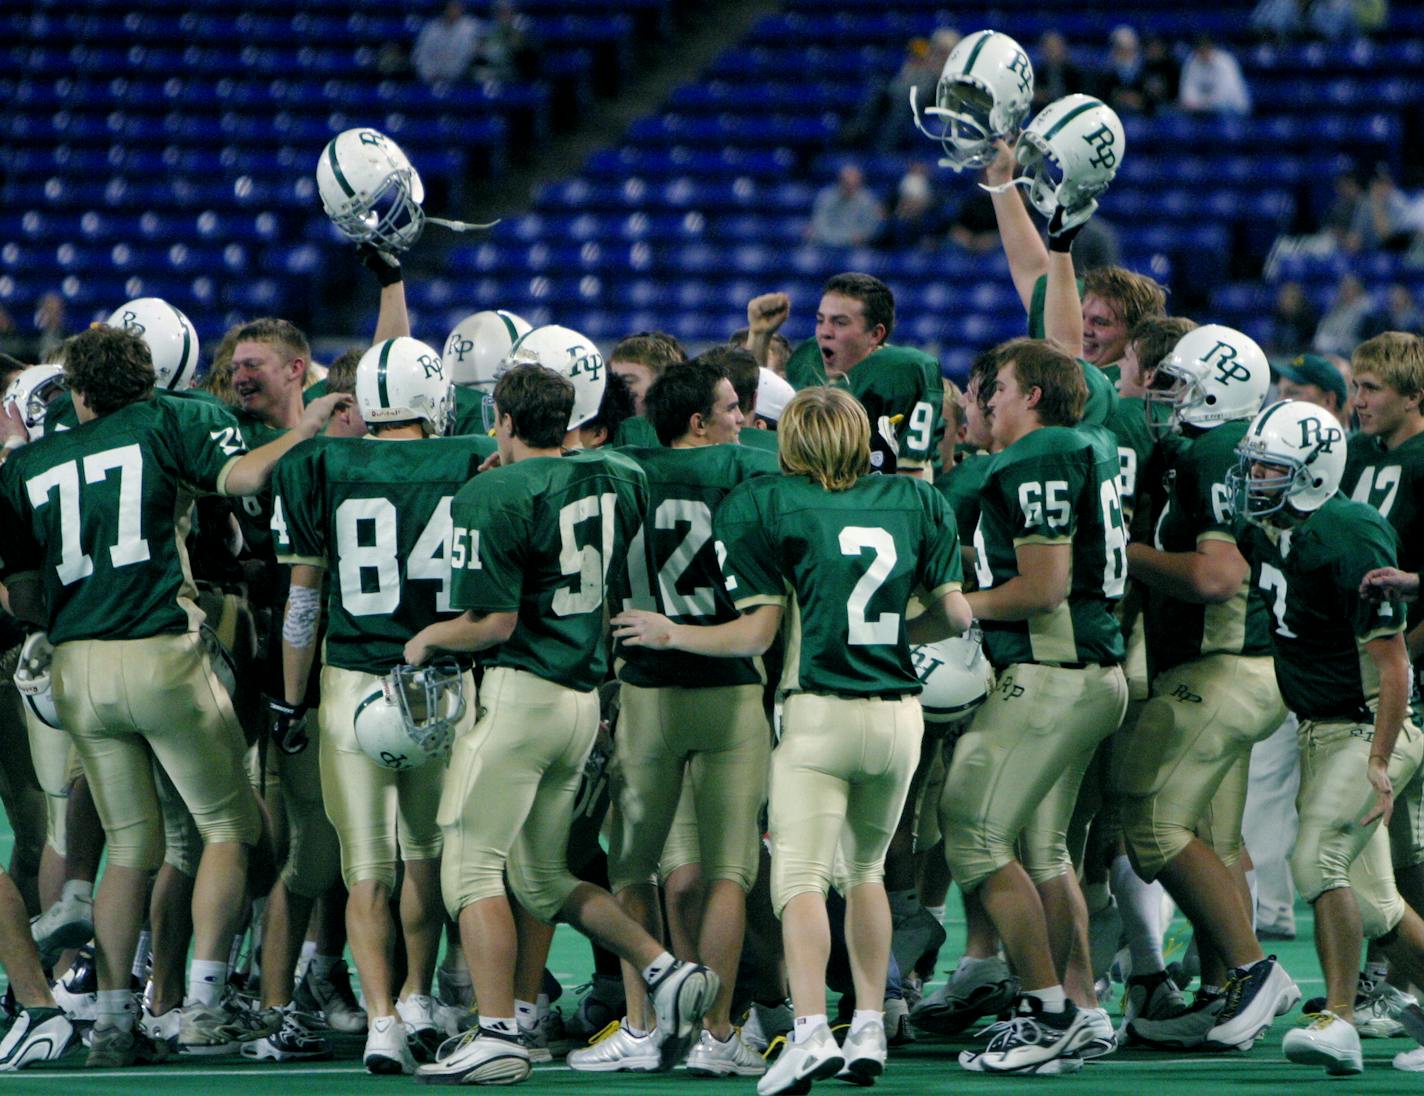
x: 1380, y: 633
x: 742, y: 604
x: 486, y: 610
x: 1216, y: 534
x: 309, y: 561
x: 221, y: 485
x: 911, y: 462
x: 18, y: 576
x: 945, y: 588
x: 1020, y: 541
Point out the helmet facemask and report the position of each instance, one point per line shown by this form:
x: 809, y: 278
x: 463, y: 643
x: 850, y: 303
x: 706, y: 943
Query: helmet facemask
x: 1180, y: 389
x: 391, y: 218
x: 964, y: 108
x: 431, y: 700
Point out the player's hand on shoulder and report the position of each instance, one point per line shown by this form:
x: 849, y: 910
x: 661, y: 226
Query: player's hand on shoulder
x: 1389, y: 584
x: 315, y: 417
x: 491, y: 461
x: 12, y: 428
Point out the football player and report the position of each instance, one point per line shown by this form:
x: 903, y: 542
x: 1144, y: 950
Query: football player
x: 685, y: 719
x: 1049, y: 557
x: 534, y: 546
x: 640, y: 359
x: 374, y: 514
x: 854, y: 320
x: 93, y: 552
x: 1181, y: 769
x: 845, y: 550
x: 1343, y: 668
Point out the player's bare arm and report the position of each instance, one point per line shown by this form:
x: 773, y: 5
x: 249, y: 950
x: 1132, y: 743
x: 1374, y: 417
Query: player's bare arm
x: 1212, y: 575
x: 468, y: 632
x: 1040, y: 586
x: 747, y: 636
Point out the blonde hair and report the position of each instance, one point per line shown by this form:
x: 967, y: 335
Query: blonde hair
x: 1396, y: 358
x: 953, y: 407
x: 1135, y: 296
x: 824, y: 433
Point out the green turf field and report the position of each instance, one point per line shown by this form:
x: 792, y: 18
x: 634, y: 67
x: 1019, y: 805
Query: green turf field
x: 929, y: 1065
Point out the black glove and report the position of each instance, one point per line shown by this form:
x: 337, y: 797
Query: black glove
x: 287, y: 725
x: 1060, y: 238
x: 385, y: 266
x: 884, y: 448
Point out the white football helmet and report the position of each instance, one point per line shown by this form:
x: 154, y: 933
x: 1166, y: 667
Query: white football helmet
x: 370, y: 190
x: 475, y: 351
x: 32, y: 679
x: 172, y: 340
x: 410, y: 717
x: 1069, y: 154
x: 1305, y: 441
x: 984, y: 93
x: 566, y: 352
x: 31, y: 392
x: 1214, y: 374
x: 400, y: 380
x: 956, y: 676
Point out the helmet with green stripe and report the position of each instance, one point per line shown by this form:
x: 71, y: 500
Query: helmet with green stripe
x: 1289, y: 462
x: 984, y: 94
x: 171, y: 338
x: 370, y: 190
x: 1070, y: 153
x: 403, y: 380
x: 476, y: 349
x: 410, y: 717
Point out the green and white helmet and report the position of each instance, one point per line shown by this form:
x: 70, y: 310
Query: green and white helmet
x: 403, y: 380
x: 984, y: 93
x: 371, y: 190
x: 171, y: 338
x: 1069, y: 155
x: 955, y: 674
x: 32, y: 679
x: 571, y: 355
x: 410, y: 718
x: 31, y: 392
x: 1214, y: 374
x: 476, y: 350
x: 1306, y: 442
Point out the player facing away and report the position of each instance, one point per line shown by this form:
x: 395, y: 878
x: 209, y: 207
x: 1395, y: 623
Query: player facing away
x: 534, y: 546
x: 838, y: 553
x: 1049, y: 557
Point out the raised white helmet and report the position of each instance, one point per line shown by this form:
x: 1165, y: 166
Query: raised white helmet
x: 1307, y: 442
x: 32, y: 679
x: 370, y: 190
x: 955, y: 674
x: 1069, y: 154
x: 411, y: 716
x: 403, y: 380
x: 172, y: 340
x: 984, y: 93
x: 1214, y: 374
x: 475, y: 351
x: 31, y: 392
x: 570, y: 354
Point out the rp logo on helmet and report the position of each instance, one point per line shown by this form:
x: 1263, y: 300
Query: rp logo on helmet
x: 1315, y: 434
x: 1019, y: 66
x: 1225, y: 357
x: 460, y: 346
x: 1102, y: 141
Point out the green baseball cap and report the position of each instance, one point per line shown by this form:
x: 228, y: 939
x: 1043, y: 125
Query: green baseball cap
x: 1317, y: 370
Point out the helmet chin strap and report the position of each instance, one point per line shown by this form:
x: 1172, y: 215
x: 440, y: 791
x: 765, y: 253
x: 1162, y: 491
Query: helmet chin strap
x: 460, y: 226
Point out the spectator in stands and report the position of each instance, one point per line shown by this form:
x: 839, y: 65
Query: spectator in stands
x: 885, y: 119
x: 1343, y: 325
x: 974, y: 227
x: 447, y: 45
x: 1315, y: 379
x: 1400, y: 313
x: 1384, y: 219
x: 1293, y: 320
x: 1124, y: 74
x: 50, y: 323
x: 507, y: 46
x: 917, y: 218
x: 1344, y: 207
x: 1279, y: 21
x: 1054, y: 73
x: 1212, y: 82
x: 1342, y: 20
x: 845, y: 213
x: 1160, y: 75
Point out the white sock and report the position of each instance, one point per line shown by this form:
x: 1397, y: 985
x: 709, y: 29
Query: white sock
x: 938, y: 912
x: 1141, y: 907
x: 141, y: 953
x: 77, y: 889
x: 207, y: 978
x: 904, y: 903
x: 1053, y: 999
x: 1378, y: 973
x: 862, y: 1018
x: 1255, y: 888
x: 658, y: 967
x: 116, y: 1009
x: 500, y: 1025
x: 806, y: 1026
x: 527, y: 1015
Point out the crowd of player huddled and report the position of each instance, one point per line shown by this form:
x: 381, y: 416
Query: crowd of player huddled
x: 424, y: 653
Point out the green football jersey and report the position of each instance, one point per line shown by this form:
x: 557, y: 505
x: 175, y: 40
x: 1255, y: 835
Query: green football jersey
x: 468, y: 419
x: 844, y: 564
x: 1310, y: 577
x: 375, y: 515
x: 891, y: 380
x: 97, y: 509
x: 1198, y: 508
x: 254, y: 512
x: 961, y: 487
x: 672, y: 562
x: 548, y: 538
x: 62, y: 415
x: 1392, y: 481
x: 753, y: 437
x: 315, y: 391
x: 1056, y: 485
x: 638, y: 431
